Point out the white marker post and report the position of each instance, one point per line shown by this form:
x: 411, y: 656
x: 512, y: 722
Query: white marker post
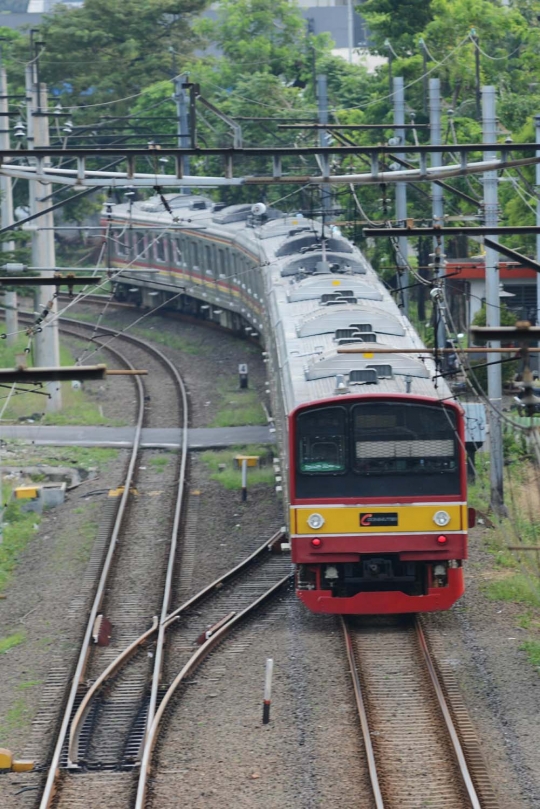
x: 244, y: 480
x: 267, y: 690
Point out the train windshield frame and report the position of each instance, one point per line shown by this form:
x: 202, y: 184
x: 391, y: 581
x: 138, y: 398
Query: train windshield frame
x: 377, y: 449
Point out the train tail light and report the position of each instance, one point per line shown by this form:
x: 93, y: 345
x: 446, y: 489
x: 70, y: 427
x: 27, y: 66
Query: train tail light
x: 316, y: 542
x: 442, y: 540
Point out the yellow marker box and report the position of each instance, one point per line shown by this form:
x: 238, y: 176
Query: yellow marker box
x: 26, y: 492
x: 252, y: 460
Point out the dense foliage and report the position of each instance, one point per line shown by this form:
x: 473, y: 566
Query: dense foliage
x: 112, y: 64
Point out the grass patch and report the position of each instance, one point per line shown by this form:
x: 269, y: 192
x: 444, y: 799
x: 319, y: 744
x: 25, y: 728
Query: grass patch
x: 73, y: 550
x: 154, y: 334
x: 12, y: 640
x: 76, y: 407
x: 29, y: 684
x: 18, y: 531
x: 16, y: 718
x: 81, y: 457
x: 231, y: 476
x: 159, y: 463
x: 237, y: 408
x: 517, y: 588
x: 532, y: 648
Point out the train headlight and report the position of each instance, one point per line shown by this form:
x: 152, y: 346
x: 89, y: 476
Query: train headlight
x: 441, y: 518
x: 315, y: 521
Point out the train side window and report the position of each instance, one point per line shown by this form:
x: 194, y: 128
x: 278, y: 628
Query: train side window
x: 208, y: 260
x: 195, y: 254
x: 122, y: 243
x: 222, y: 268
x: 322, y: 441
x: 160, y: 249
x: 140, y: 245
x: 178, y: 253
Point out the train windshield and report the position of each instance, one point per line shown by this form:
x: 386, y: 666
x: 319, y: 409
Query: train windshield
x: 377, y: 449
x: 322, y: 440
x: 403, y: 439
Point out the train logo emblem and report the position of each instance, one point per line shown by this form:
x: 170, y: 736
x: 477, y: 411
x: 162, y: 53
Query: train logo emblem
x: 382, y: 518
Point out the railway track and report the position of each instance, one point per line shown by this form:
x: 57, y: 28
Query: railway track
x: 245, y: 588
x: 420, y: 745
x: 220, y: 611
x: 135, y: 581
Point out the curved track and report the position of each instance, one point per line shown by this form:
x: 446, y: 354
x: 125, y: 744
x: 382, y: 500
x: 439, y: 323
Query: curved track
x: 121, y: 595
x: 420, y: 750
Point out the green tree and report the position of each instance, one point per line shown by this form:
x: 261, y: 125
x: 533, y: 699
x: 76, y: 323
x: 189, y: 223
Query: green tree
x: 400, y: 21
x: 258, y: 36
x: 106, y: 50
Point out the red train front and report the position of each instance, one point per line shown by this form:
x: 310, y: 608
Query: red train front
x: 378, y: 513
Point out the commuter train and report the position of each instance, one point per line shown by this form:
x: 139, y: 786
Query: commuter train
x: 372, y: 446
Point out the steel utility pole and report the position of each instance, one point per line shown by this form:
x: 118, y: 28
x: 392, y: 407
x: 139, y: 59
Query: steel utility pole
x: 537, y: 131
x: 437, y: 192
x: 47, y: 350
x: 6, y: 205
x: 493, y: 319
x: 180, y: 96
x: 322, y: 103
x: 401, y: 195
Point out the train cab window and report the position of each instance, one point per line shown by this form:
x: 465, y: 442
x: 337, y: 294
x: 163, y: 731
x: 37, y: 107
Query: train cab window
x: 377, y: 449
x: 403, y: 439
x: 322, y: 441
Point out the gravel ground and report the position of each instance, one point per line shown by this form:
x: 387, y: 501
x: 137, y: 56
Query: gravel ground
x: 208, y: 359
x: 481, y: 640
x: 38, y: 598
x: 310, y: 755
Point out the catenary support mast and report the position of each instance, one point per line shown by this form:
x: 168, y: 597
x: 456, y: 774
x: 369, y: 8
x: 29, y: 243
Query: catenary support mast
x: 401, y: 194
x: 436, y: 190
x: 489, y: 129
x: 6, y: 205
x: 47, y: 351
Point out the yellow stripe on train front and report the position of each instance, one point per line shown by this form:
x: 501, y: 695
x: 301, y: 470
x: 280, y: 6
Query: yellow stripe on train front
x: 379, y: 519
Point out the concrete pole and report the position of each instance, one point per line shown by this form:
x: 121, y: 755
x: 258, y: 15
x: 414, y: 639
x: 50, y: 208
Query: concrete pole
x: 322, y: 102
x: 47, y: 350
x: 6, y: 207
x: 537, y: 131
x: 489, y: 130
x: 401, y: 195
x: 350, y: 29
x: 180, y: 96
x: 437, y: 201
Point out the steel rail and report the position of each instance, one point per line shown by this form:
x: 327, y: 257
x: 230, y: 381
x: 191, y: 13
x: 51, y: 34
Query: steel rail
x: 192, y: 664
x: 158, y: 658
x: 83, y: 709
x: 362, y: 713
x: 126, y: 654
x: 267, y: 544
x: 51, y: 782
x: 456, y: 744
x: 441, y: 701
x: 167, y: 593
